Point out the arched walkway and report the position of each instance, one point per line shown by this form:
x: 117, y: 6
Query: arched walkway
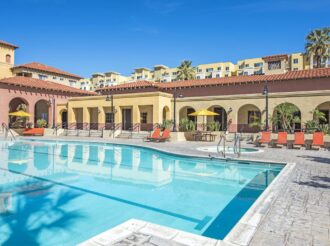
x: 166, y: 113
x: 221, y: 118
x: 17, y: 104
x: 325, y: 109
x: 249, y: 118
x: 64, y: 119
x: 41, y: 111
x: 184, y: 113
x: 286, y: 117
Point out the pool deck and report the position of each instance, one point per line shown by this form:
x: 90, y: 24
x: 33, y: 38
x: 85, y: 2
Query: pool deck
x: 298, y: 215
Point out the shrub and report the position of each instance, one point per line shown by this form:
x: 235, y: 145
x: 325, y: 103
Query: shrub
x: 214, y: 126
x: 41, y: 123
x: 187, y: 125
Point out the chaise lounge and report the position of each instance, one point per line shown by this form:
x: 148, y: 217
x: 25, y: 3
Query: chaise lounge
x: 34, y: 132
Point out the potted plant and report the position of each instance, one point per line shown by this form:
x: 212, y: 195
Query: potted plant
x: 41, y: 123
x: 188, y: 127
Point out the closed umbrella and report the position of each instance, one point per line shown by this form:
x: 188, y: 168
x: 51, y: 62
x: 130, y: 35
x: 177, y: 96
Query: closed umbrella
x: 203, y: 112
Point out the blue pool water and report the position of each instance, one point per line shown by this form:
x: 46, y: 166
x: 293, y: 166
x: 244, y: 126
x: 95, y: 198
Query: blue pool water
x: 76, y: 190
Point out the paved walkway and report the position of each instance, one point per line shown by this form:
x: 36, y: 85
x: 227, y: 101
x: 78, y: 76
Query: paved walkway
x: 301, y: 213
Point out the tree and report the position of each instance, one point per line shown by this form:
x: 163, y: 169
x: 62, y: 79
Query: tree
x: 286, y: 116
x: 186, y: 71
x: 319, y: 116
x: 317, y: 46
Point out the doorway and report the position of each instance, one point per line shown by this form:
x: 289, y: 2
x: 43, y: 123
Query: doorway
x: 126, y: 119
x: 64, y: 120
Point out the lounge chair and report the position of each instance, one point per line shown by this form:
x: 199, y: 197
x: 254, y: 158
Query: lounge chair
x: 155, y: 135
x: 265, y: 138
x: 281, y: 139
x: 318, y: 139
x: 165, y: 136
x: 34, y: 132
x: 299, y: 139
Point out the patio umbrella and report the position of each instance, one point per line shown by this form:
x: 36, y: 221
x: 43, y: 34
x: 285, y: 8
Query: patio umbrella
x: 203, y: 112
x: 19, y: 114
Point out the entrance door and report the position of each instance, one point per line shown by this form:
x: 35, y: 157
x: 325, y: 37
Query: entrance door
x: 126, y: 119
x: 64, y: 119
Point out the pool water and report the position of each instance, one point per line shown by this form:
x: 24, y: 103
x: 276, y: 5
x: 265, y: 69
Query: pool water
x: 76, y: 190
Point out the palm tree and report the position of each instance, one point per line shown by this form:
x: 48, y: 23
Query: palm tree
x: 286, y: 115
x: 317, y: 46
x: 186, y: 71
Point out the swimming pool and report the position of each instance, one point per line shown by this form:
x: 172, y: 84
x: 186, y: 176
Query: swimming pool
x: 76, y: 190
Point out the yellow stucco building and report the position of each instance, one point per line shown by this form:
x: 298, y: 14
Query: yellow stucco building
x: 143, y: 105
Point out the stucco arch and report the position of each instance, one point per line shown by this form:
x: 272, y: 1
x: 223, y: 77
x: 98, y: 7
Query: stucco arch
x: 278, y: 126
x: 166, y: 113
x: 16, y: 104
x: 41, y: 111
x: 325, y: 108
x: 247, y: 114
x: 221, y: 118
x: 184, y: 111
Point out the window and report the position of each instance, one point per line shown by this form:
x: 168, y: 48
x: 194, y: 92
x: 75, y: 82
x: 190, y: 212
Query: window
x: 54, y: 77
x: 259, y: 64
x: 241, y: 66
x: 108, y: 118
x: 8, y: 58
x: 273, y: 65
x: 199, y: 70
x: 295, y: 61
x: 227, y: 68
x: 217, y: 76
x: 198, y: 77
x: 139, y: 77
x: 143, y: 117
x: 72, y: 82
x: 253, y: 116
x: 174, y: 73
x: 247, y: 65
x: 208, y: 70
x: 295, y: 69
x: 245, y: 73
x: 42, y: 76
x: 61, y: 78
x: 219, y: 68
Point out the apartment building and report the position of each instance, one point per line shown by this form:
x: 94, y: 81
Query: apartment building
x: 268, y: 65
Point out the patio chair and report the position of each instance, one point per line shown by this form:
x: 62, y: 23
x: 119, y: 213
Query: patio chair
x: 165, y: 136
x: 299, y: 139
x: 265, y: 138
x: 318, y: 139
x: 34, y: 132
x: 154, y: 135
x: 281, y: 139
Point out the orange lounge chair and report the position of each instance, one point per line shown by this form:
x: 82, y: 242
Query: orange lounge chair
x: 155, y: 135
x: 165, y: 136
x: 318, y: 139
x: 299, y: 139
x: 34, y: 132
x: 282, y: 138
x: 265, y: 138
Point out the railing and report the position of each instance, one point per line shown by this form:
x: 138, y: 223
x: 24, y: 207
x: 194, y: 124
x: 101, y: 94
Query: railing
x: 237, y: 144
x: 223, y: 141
x: 5, y: 127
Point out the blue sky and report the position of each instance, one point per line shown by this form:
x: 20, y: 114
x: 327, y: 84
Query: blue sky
x: 84, y: 37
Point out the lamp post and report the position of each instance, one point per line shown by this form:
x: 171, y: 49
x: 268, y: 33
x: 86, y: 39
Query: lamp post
x: 175, y: 96
x: 265, y: 93
x: 109, y: 98
x: 51, y: 102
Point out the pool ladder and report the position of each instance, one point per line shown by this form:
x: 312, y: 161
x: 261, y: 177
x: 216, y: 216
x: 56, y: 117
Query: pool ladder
x: 236, y: 148
x: 6, y: 130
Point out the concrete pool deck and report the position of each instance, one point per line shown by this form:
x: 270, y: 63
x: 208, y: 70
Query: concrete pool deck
x: 298, y: 215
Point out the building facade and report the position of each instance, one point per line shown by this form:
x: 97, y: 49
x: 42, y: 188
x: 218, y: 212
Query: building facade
x: 143, y: 105
x: 7, y: 59
x: 268, y: 65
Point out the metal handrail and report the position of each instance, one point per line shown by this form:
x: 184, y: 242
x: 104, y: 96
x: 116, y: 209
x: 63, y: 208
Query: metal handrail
x: 222, y: 139
x: 8, y: 130
x: 237, y: 144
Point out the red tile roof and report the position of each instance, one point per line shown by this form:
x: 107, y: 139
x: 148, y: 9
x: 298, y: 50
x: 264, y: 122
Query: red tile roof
x: 276, y: 57
x: 8, y: 44
x: 43, y: 84
x: 292, y: 75
x: 45, y: 68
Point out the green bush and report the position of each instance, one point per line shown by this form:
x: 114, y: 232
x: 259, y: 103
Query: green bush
x: 41, y: 123
x: 214, y: 126
x: 167, y: 124
x: 187, y: 125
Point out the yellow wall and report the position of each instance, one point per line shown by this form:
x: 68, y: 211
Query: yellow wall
x: 4, y: 66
